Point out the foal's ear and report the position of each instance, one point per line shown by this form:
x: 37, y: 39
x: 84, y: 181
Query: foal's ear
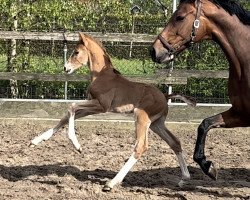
x: 83, y: 39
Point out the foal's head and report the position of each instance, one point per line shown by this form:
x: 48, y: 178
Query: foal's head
x: 87, y: 52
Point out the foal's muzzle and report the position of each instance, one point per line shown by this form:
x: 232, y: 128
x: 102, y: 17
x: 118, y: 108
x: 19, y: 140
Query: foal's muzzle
x: 68, y: 69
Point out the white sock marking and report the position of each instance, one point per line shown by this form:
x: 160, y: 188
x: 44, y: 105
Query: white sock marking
x: 183, y: 165
x: 123, y: 172
x: 71, y: 134
x: 44, y: 136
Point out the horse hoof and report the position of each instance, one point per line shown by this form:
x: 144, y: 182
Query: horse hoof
x: 31, y: 145
x: 106, y: 188
x: 79, y: 150
x: 181, y: 183
x: 213, y: 172
x: 184, y: 182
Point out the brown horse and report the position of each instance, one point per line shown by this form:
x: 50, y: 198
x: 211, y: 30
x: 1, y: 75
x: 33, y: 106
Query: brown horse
x: 110, y: 92
x: 227, y: 23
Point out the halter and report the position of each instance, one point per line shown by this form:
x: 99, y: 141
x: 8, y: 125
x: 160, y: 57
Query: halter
x: 196, y: 25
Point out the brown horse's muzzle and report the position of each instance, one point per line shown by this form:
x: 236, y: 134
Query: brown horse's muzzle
x: 161, y: 55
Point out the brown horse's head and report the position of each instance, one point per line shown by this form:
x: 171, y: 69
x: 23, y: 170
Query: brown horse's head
x: 186, y: 25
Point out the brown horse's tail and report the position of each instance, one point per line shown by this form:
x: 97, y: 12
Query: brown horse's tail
x: 187, y: 99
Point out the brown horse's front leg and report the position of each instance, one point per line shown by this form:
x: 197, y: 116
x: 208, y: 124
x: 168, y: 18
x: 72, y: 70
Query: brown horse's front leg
x: 228, y: 119
x: 199, y: 155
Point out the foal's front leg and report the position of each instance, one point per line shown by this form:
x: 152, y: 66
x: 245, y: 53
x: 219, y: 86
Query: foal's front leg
x: 75, y: 111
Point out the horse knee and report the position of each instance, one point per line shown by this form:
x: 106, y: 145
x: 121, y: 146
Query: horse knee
x: 72, y: 109
x: 176, y: 146
x: 139, y: 150
x: 209, y: 123
x: 203, y: 127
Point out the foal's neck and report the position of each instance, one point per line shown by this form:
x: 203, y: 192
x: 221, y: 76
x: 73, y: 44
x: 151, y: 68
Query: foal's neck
x: 98, y: 62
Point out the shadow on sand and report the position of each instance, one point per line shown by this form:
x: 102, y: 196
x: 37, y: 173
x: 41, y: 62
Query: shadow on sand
x: 154, y: 178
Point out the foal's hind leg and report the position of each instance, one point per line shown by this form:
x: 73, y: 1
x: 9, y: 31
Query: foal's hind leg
x: 159, y: 128
x: 142, y: 123
x: 227, y: 119
x: 75, y: 111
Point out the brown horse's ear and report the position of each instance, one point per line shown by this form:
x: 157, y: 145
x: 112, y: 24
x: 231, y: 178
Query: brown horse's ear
x: 83, y: 39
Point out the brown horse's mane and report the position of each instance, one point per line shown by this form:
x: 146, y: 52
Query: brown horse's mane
x: 232, y: 7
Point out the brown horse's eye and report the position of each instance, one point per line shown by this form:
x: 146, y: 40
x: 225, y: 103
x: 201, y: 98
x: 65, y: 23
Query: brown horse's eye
x: 179, y: 18
x: 76, y: 52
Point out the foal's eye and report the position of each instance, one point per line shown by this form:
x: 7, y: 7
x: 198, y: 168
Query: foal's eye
x: 179, y: 18
x: 76, y: 52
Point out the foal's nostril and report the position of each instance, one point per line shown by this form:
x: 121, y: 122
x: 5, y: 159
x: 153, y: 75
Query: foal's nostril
x: 66, y: 70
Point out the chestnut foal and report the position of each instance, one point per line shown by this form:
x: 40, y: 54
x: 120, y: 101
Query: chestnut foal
x: 109, y: 91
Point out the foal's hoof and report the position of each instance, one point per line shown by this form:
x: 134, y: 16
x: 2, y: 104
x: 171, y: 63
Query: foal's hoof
x: 181, y: 183
x: 212, y: 172
x: 79, y: 150
x: 106, y: 188
x: 184, y: 181
x: 31, y: 145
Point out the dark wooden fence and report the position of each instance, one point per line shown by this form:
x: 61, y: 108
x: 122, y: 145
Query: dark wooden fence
x: 176, y: 77
x: 153, y: 79
x: 110, y: 37
x: 161, y: 76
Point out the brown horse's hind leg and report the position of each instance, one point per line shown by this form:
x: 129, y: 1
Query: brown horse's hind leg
x: 142, y: 122
x: 227, y: 119
x: 159, y: 128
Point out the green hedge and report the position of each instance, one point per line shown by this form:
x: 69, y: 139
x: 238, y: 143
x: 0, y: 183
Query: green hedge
x: 100, y: 16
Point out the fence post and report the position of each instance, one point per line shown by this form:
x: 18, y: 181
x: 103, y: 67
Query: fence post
x: 170, y: 89
x: 133, y: 11
x: 65, y: 50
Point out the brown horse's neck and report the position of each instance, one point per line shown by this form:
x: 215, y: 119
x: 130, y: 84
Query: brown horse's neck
x: 234, y: 38
x: 98, y: 62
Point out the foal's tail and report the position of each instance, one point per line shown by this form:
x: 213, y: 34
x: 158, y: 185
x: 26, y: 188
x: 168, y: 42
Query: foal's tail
x: 187, y: 99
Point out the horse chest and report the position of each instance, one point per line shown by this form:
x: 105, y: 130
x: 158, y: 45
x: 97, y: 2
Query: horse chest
x: 97, y: 89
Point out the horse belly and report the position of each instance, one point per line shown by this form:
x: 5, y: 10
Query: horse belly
x: 238, y: 95
x: 241, y: 104
x: 127, y: 108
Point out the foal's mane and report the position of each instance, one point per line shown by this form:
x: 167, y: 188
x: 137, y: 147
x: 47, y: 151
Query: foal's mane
x: 98, y: 42
x: 106, y: 55
x: 232, y: 7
